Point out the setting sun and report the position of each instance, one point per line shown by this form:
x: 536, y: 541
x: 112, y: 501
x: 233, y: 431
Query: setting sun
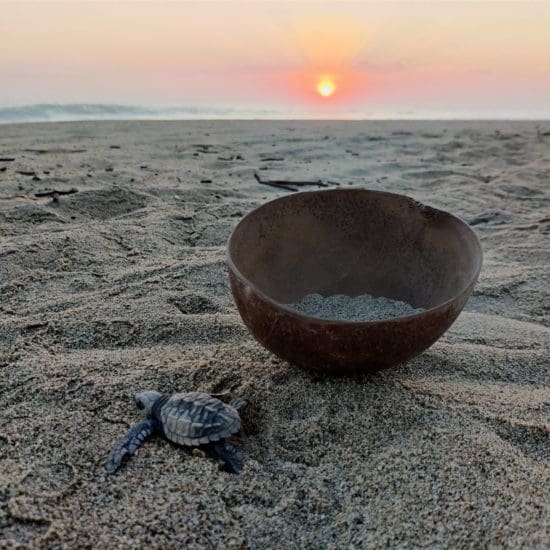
x: 326, y: 87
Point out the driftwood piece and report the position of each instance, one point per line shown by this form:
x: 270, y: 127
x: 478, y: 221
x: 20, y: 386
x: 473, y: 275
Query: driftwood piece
x: 205, y: 148
x: 54, y: 151
x: 54, y: 193
x: 232, y: 157
x: 288, y: 184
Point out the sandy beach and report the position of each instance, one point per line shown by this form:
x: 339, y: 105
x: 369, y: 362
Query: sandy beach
x: 121, y: 285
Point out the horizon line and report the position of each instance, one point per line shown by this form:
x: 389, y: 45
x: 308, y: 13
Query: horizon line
x: 280, y: 119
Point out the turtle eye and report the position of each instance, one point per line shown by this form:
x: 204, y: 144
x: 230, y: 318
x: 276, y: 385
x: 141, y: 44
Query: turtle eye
x: 139, y: 405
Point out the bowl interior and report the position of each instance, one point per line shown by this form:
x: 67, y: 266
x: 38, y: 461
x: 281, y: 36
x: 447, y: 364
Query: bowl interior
x: 354, y: 242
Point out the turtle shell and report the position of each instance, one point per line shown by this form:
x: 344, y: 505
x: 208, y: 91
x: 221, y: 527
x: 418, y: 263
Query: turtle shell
x: 196, y: 418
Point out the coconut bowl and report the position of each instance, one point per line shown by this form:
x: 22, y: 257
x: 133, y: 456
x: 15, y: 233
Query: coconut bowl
x: 350, y: 242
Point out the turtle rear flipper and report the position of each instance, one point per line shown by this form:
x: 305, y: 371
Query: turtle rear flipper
x: 221, y: 394
x: 231, y: 458
x: 129, y: 444
x: 239, y: 404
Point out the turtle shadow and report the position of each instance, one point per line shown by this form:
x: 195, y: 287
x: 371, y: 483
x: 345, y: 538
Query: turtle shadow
x: 208, y: 451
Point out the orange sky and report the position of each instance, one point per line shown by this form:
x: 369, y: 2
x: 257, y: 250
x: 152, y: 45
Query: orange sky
x: 395, y: 57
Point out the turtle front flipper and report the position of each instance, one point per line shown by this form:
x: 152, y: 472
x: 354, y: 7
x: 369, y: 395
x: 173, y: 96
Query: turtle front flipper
x: 230, y: 456
x: 129, y: 444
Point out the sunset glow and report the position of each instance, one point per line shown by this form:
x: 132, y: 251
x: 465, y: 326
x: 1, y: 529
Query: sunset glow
x: 326, y: 87
x: 322, y: 58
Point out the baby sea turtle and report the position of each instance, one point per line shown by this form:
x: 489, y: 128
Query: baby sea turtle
x: 188, y: 419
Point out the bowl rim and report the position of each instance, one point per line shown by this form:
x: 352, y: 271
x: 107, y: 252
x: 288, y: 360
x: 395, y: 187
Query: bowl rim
x: 325, y: 321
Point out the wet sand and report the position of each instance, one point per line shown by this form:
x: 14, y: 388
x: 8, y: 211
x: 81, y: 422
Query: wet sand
x: 121, y: 285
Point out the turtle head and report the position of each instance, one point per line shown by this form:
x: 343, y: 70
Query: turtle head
x: 145, y: 400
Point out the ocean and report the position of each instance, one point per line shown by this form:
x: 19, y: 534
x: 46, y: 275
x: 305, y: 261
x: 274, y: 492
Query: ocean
x: 63, y: 112
x: 50, y: 112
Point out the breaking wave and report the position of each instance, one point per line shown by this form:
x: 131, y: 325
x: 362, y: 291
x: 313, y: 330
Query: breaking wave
x: 51, y: 112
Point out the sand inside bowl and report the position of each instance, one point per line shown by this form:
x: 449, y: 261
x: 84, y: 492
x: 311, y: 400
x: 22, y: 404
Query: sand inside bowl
x: 364, y: 307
